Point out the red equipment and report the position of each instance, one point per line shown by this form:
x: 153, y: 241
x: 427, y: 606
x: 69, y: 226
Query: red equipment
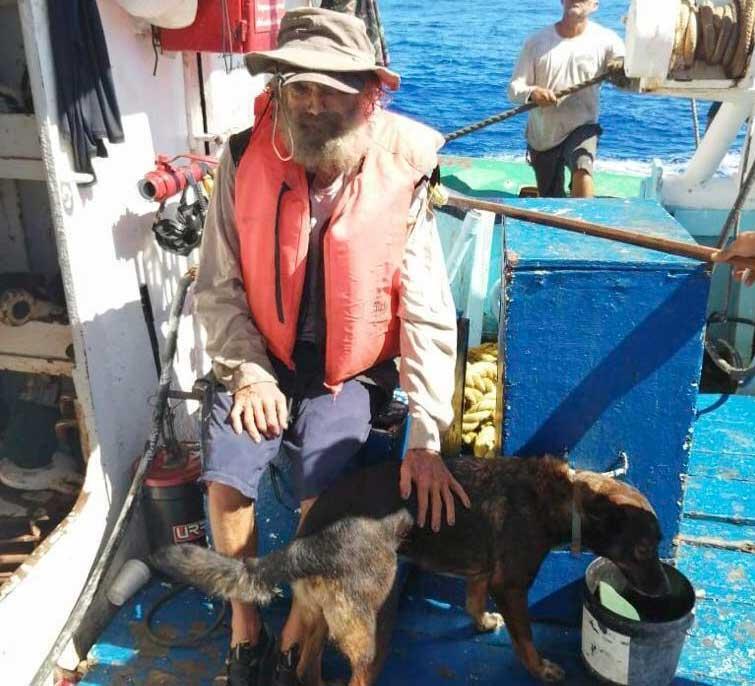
x: 167, y: 179
x: 226, y: 26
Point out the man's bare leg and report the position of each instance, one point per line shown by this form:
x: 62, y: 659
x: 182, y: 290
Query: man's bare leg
x: 582, y: 184
x: 293, y: 630
x: 234, y: 533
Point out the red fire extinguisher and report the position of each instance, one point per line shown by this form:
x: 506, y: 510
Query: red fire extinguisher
x: 226, y: 26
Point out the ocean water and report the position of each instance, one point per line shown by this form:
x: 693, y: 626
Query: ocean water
x: 456, y: 60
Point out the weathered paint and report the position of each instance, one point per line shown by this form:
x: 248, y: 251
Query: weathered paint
x: 602, y: 347
x: 719, y: 495
x: 98, y: 236
x: 434, y: 642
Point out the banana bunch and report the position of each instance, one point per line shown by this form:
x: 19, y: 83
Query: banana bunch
x: 478, y: 428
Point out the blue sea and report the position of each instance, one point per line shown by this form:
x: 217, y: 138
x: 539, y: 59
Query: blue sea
x: 456, y: 59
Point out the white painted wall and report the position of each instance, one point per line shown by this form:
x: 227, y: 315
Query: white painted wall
x: 106, y: 250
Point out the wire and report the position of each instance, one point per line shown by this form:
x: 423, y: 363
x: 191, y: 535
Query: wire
x: 41, y: 678
x: 189, y: 641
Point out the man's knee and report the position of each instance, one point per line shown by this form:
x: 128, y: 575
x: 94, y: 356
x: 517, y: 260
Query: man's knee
x: 228, y: 496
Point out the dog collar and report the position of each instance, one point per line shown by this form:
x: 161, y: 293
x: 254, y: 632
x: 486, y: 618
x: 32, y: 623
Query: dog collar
x: 576, y: 519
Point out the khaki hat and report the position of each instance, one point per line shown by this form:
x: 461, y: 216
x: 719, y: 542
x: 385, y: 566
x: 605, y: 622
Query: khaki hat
x: 323, y: 46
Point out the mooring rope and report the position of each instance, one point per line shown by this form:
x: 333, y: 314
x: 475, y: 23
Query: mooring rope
x: 614, y: 71
x: 714, y: 34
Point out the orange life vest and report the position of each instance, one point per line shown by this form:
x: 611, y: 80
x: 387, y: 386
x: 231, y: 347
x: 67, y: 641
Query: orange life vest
x: 363, y: 243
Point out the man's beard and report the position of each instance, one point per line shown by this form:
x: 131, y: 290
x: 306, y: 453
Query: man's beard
x: 582, y: 10
x: 326, y: 142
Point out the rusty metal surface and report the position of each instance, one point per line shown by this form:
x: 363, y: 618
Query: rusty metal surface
x: 23, y: 538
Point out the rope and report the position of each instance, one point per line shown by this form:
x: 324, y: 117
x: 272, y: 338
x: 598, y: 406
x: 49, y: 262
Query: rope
x: 612, y: 72
x: 718, y: 35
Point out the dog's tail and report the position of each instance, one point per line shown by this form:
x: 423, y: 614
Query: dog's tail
x: 216, y: 574
x: 331, y: 552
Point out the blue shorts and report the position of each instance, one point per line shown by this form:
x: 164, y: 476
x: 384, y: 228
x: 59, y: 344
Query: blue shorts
x: 325, y: 433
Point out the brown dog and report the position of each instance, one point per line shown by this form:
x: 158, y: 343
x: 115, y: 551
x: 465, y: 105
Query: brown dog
x: 343, y: 561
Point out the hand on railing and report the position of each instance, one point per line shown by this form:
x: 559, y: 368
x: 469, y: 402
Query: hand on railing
x: 743, y: 246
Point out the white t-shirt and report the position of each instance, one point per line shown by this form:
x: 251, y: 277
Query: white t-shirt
x: 550, y: 61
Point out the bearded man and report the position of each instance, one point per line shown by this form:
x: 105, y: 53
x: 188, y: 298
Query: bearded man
x: 564, y: 133
x: 320, y: 265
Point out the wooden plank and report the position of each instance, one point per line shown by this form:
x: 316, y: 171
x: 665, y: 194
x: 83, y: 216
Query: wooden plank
x: 721, y: 574
x: 13, y: 253
x: 19, y: 137
x: 720, y: 499
x: 27, y: 170
x: 36, y: 347
x: 721, y: 644
x: 729, y: 466
x: 724, y: 531
x: 723, y: 444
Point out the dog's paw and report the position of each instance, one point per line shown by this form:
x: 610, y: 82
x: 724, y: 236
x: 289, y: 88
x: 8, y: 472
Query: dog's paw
x: 550, y: 672
x: 490, y: 621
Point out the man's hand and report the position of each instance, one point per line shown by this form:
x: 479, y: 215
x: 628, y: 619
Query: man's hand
x: 743, y: 246
x: 260, y: 409
x: 435, y: 485
x: 543, y: 97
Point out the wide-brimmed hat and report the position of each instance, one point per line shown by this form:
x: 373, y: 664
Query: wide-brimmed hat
x: 323, y: 46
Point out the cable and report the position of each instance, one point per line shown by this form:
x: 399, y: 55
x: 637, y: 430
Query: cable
x: 189, y: 641
x: 111, y: 546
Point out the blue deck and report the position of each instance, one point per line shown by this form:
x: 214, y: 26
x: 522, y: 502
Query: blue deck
x: 434, y: 642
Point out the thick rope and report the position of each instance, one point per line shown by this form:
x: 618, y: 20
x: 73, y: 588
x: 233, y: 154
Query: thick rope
x: 714, y: 34
x: 614, y: 71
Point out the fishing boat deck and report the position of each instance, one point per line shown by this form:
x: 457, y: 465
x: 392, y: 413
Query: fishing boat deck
x: 434, y: 642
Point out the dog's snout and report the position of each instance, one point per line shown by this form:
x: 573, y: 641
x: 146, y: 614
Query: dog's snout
x: 651, y: 581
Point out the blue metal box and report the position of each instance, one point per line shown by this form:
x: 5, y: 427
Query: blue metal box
x: 601, y: 347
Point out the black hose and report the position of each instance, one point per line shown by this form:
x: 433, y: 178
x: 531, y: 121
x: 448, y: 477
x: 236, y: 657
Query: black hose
x: 149, y: 320
x: 189, y: 641
x: 108, y: 550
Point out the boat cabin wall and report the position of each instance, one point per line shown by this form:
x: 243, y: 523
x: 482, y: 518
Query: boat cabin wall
x: 104, y: 228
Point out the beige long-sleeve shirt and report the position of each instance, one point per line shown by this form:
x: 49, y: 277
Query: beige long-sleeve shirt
x: 426, y: 311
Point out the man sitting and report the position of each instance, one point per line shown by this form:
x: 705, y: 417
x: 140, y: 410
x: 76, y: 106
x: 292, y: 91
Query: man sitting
x: 320, y: 265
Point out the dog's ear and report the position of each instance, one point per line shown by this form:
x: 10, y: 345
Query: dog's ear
x: 603, y: 516
x: 603, y: 513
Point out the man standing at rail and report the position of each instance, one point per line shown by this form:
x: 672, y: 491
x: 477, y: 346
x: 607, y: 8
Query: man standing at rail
x: 564, y: 133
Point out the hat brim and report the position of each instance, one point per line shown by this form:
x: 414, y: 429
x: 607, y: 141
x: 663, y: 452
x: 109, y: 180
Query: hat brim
x: 283, y: 59
x: 344, y: 82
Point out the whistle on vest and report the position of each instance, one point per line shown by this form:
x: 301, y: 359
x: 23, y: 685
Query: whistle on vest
x: 436, y: 194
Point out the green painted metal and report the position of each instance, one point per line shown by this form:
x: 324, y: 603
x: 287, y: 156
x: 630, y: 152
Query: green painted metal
x: 485, y: 177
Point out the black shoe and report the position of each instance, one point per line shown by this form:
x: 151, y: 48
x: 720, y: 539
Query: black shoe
x: 284, y: 668
x: 245, y: 662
